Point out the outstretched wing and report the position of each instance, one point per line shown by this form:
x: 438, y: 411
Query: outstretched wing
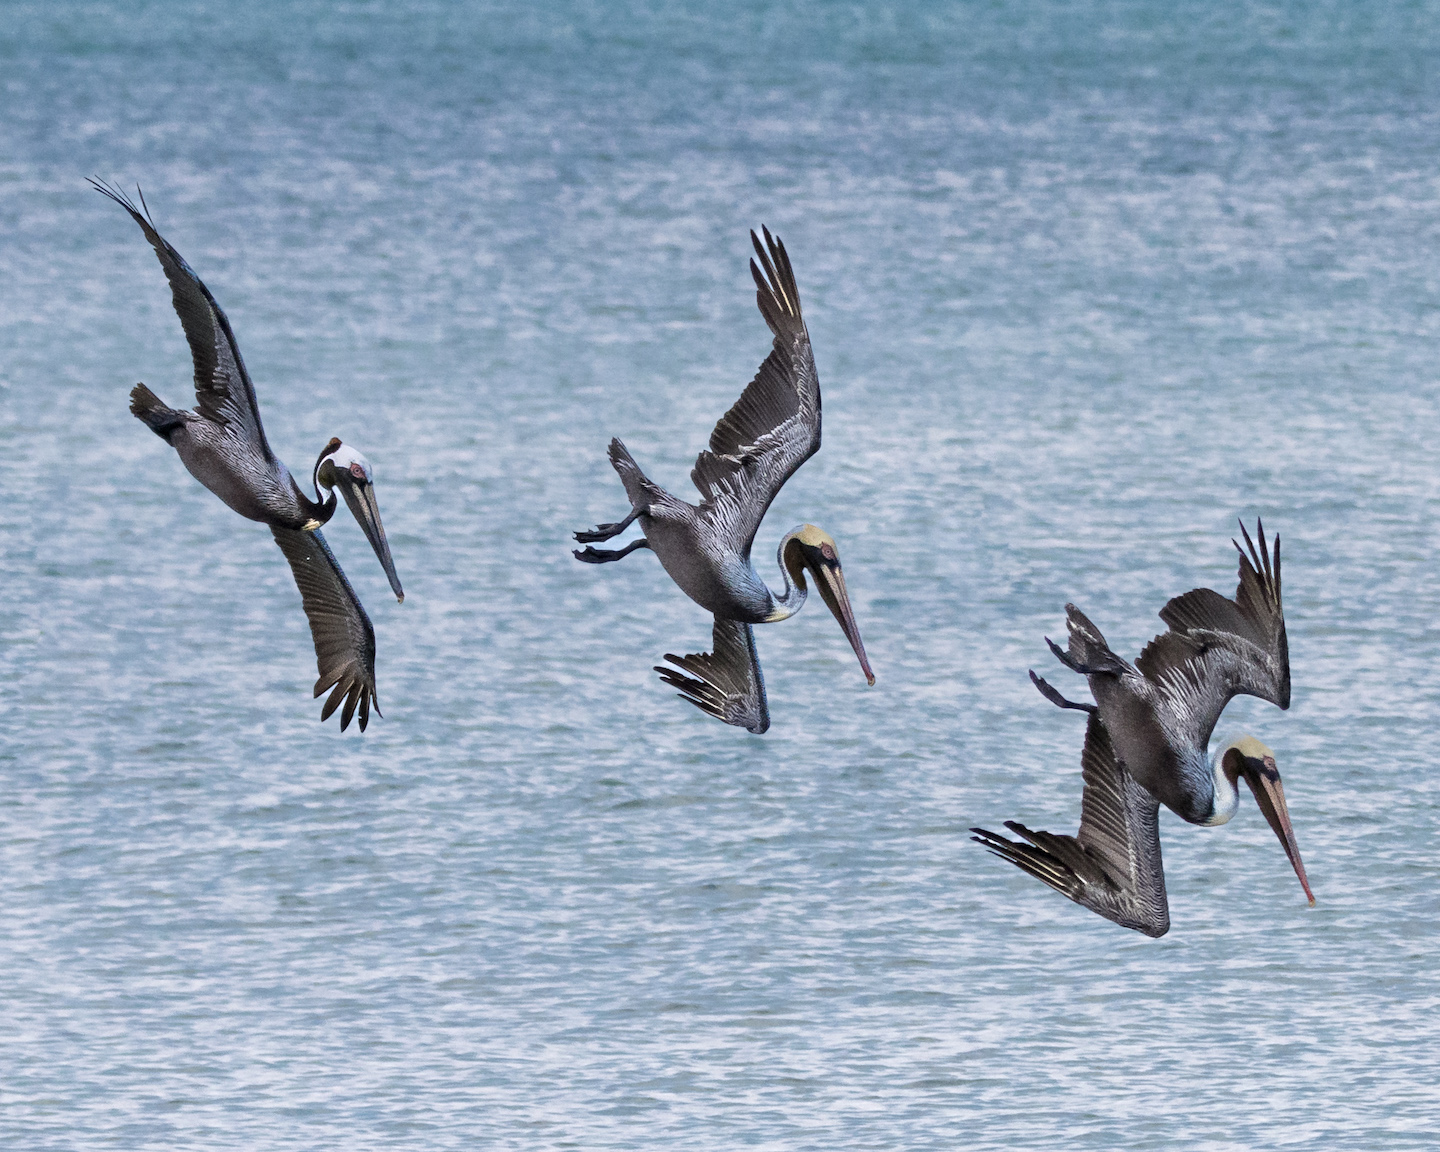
x: 726, y: 683
x: 1113, y: 865
x: 1218, y: 649
x: 775, y: 425
x: 344, y: 639
x: 223, y: 391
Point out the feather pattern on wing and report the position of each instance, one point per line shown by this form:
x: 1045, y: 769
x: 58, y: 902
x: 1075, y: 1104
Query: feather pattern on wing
x: 1113, y: 864
x: 1218, y: 649
x: 775, y: 425
x: 727, y: 683
x: 344, y: 638
x: 223, y: 391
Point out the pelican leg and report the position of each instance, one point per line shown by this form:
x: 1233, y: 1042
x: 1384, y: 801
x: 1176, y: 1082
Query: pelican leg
x: 605, y: 531
x: 1055, y: 698
x: 605, y: 555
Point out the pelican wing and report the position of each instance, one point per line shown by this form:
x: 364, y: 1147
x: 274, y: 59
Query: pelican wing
x: 1218, y: 649
x: 344, y: 638
x: 223, y: 390
x: 726, y: 683
x: 1113, y: 865
x: 775, y: 425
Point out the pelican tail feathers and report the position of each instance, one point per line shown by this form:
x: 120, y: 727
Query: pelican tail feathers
x: 1088, y: 647
x: 159, y: 417
x: 640, y: 488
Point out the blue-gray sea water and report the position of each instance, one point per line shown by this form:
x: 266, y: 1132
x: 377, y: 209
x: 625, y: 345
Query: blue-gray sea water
x: 1086, y: 284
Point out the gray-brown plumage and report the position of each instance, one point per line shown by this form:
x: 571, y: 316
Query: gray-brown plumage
x: 222, y: 444
x: 1112, y: 865
x: 1162, y: 710
x: 757, y: 445
x: 727, y: 683
x: 344, y: 637
x: 1156, y: 718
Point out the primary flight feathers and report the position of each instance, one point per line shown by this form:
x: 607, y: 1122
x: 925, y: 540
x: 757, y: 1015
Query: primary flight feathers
x: 222, y: 443
x: 1112, y: 865
x: 756, y: 446
x: 1148, y: 739
x: 1147, y: 733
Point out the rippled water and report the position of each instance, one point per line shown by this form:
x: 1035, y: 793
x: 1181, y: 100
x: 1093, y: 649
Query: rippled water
x: 1085, y: 282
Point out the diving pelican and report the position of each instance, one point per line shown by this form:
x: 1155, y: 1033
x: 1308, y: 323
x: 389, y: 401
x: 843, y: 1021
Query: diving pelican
x: 223, y: 445
x: 1146, y: 741
x: 772, y: 429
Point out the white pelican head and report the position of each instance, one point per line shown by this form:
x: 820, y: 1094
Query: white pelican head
x: 343, y: 468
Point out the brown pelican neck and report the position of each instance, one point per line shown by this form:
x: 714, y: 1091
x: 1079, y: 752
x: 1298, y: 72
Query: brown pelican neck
x: 792, y: 569
x: 314, y: 514
x: 318, y: 511
x: 1225, y: 770
x: 316, y: 479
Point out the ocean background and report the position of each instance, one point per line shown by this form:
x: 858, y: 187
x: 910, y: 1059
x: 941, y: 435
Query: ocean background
x: 1086, y: 282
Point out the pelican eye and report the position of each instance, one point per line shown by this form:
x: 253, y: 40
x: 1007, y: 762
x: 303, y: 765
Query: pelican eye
x: 358, y: 472
x: 828, y: 552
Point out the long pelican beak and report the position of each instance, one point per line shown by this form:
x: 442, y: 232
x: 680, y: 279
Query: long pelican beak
x: 360, y: 495
x: 830, y: 583
x: 1264, y: 779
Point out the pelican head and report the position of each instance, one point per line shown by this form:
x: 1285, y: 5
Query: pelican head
x: 811, y: 549
x: 344, y: 468
x: 1249, y: 758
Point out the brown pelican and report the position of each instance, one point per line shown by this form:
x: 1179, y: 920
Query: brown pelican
x: 1146, y: 743
x: 773, y: 428
x: 223, y: 445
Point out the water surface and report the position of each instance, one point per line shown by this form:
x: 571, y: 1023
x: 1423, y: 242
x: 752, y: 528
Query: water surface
x: 1086, y: 283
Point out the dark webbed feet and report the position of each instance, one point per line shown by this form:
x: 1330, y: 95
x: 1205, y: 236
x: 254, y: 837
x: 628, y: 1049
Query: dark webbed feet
x: 605, y: 555
x: 1055, y: 698
x: 606, y: 531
